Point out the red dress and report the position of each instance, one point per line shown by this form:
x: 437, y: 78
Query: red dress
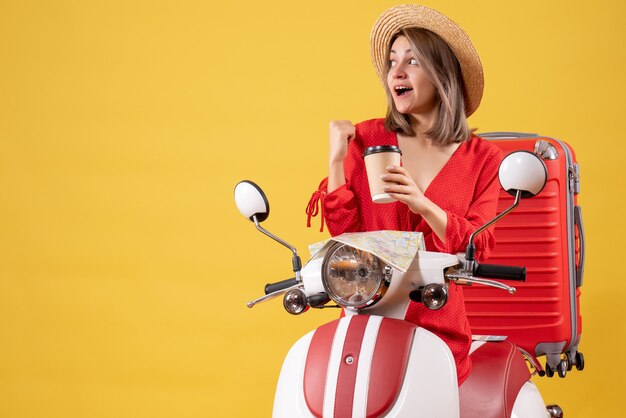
x: 466, y: 188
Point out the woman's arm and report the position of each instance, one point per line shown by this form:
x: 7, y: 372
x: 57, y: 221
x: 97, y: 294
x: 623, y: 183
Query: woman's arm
x: 340, y: 134
x: 338, y: 203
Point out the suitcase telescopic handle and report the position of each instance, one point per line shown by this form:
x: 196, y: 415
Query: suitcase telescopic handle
x: 505, y: 135
x: 495, y: 271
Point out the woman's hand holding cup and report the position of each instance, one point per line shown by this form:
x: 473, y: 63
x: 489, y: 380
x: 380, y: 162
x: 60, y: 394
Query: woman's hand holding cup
x: 402, y: 187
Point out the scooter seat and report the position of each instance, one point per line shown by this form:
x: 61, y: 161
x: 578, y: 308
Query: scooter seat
x: 498, y: 373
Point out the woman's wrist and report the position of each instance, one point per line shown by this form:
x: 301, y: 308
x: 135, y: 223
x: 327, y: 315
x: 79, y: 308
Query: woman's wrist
x: 436, y: 218
x: 423, y: 206
x: 336, y: 175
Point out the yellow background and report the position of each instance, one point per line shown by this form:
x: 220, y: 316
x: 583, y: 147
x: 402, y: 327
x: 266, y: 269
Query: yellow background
x: 124, y: 125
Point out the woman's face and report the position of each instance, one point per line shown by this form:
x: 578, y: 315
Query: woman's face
x: 412, y: 91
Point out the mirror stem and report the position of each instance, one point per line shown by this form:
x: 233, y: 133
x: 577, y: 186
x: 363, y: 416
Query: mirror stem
x: 295, y: 260
x: 469, y: 254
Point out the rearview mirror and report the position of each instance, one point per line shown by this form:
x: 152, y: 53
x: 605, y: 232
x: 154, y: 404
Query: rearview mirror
x: 251, y: 201
x: 523, y: 171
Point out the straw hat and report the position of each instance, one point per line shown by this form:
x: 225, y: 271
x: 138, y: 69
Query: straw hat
x: 413, y: 15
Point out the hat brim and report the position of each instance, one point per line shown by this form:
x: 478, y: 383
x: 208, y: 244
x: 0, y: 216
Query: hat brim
x: 413, y: 15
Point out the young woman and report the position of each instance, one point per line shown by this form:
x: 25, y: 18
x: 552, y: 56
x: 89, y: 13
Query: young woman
x: 447, y: 185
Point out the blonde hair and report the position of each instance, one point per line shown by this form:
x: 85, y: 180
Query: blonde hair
x: 442, y: 68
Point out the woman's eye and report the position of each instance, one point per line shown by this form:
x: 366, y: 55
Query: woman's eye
x: 392, y: 63
x: 413, y: 61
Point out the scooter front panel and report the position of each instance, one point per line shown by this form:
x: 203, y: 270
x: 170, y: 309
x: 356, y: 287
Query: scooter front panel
x: 368, y: 366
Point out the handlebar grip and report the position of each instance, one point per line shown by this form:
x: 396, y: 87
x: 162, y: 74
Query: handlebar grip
x: 283, y: 284
x: 495, y: 271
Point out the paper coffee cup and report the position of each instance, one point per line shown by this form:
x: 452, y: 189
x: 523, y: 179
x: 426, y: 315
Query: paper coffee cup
x: 376, y: 161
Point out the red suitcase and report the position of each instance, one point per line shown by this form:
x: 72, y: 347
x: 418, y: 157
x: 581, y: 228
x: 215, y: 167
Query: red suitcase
x: 545, y: 234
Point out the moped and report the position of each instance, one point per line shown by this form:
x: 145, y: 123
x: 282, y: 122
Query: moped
x: 373, y: 363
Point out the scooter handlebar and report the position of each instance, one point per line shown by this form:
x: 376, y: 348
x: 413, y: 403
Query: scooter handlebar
x: 283, y: 284
x: 495, y: 271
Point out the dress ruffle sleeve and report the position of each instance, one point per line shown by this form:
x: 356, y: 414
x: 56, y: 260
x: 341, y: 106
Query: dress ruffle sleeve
x: 339, y: 209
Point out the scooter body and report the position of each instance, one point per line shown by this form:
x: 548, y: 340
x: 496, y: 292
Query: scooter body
x: 372, y: 363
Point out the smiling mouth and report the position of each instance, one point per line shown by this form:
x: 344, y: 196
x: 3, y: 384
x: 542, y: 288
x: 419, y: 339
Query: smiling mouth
x: 401, y: 91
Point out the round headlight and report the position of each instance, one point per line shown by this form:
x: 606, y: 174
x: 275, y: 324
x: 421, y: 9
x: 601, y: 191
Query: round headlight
x: 354, y: 278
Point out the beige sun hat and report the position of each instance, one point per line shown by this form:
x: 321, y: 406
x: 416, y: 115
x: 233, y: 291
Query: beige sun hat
x: 413, y: 15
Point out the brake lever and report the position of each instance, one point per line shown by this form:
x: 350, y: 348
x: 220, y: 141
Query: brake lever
x: 467, y: 279
x: 272, y: 295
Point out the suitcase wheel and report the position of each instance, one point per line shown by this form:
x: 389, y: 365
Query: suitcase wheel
x: 580, y: 361
x: 570, y: 361
x: 566, y: 364
x: 562, y: 368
